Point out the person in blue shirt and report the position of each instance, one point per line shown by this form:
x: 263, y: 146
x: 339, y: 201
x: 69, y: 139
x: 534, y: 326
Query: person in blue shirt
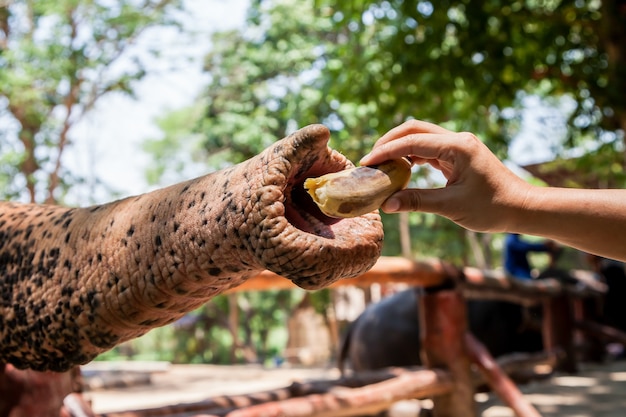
x: 516, y: 252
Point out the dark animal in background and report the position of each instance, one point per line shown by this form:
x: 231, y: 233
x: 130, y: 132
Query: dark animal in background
x: 614, y: 311
x: 387, y: 333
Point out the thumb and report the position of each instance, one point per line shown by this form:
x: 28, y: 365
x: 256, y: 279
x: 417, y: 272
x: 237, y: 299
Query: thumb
x: 429, y: 201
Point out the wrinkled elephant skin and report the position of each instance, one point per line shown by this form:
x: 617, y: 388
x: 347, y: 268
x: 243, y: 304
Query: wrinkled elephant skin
x: 78, y: 281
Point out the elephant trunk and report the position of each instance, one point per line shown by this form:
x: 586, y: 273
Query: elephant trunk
x: 78, y: 281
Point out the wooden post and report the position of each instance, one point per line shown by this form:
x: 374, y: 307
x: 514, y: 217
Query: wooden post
x: 602, y: 332
x: 443, y: 324
x: 589, y: 310
x: 558, y: 331
x: 498, y: 380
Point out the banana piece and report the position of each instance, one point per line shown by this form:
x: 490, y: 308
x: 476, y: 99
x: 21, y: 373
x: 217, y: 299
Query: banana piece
x: 357, y: 191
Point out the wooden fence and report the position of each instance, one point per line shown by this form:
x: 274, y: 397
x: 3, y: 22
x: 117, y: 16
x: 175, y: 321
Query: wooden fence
x: 451, y: 354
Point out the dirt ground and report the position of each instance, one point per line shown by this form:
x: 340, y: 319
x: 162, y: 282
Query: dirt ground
x: 189, y: 383
x: 596, y: 391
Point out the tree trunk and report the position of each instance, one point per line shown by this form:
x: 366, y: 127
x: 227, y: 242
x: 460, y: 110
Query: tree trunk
x: 404, y: 227
x: 233, y: 325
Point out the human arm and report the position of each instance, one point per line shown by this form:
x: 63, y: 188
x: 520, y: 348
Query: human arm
x: 481, y: 194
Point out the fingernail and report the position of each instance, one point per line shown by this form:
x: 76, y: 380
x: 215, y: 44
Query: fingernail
x: 365, y: 157
x: 391, y: 205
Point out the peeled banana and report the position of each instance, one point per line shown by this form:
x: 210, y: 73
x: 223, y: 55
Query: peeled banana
x: 356, y: 191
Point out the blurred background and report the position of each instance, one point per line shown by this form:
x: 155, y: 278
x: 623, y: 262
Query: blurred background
x: 102, y: 99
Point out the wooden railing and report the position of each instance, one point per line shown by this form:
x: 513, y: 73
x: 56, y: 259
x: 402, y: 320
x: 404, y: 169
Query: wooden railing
x: 448, y: 349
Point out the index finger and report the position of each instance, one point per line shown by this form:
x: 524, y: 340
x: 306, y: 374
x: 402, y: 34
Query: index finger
x: 408, y: 128
x: 424, y: 146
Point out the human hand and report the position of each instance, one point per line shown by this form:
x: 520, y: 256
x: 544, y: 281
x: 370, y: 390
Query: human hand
x: 481, y: 193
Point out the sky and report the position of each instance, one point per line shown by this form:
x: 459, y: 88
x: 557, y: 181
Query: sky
x: 107, y: 142
x: 542, y: 131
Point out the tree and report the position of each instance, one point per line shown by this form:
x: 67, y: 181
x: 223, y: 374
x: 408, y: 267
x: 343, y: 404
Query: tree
x: 472, y: 64
x: 362, y: 67
x: 260, y: 89
x: 209, y: 335
x: 57, y: 59
x: 472, y: 61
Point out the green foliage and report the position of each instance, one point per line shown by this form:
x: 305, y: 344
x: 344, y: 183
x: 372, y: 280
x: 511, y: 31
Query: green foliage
x: 57, y: 59
x: 362, y: 67
x: 207, y: 336
x: 466, y: 60
x: 180, y: 146
x: 431, y: 236
x: 10, y: 160
x: 251, y: 102
x: 601, y: 167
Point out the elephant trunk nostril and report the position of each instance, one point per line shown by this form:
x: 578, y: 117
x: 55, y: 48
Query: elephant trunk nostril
x: 302, y: 212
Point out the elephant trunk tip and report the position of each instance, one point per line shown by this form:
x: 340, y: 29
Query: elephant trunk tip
x: 327, y: 248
